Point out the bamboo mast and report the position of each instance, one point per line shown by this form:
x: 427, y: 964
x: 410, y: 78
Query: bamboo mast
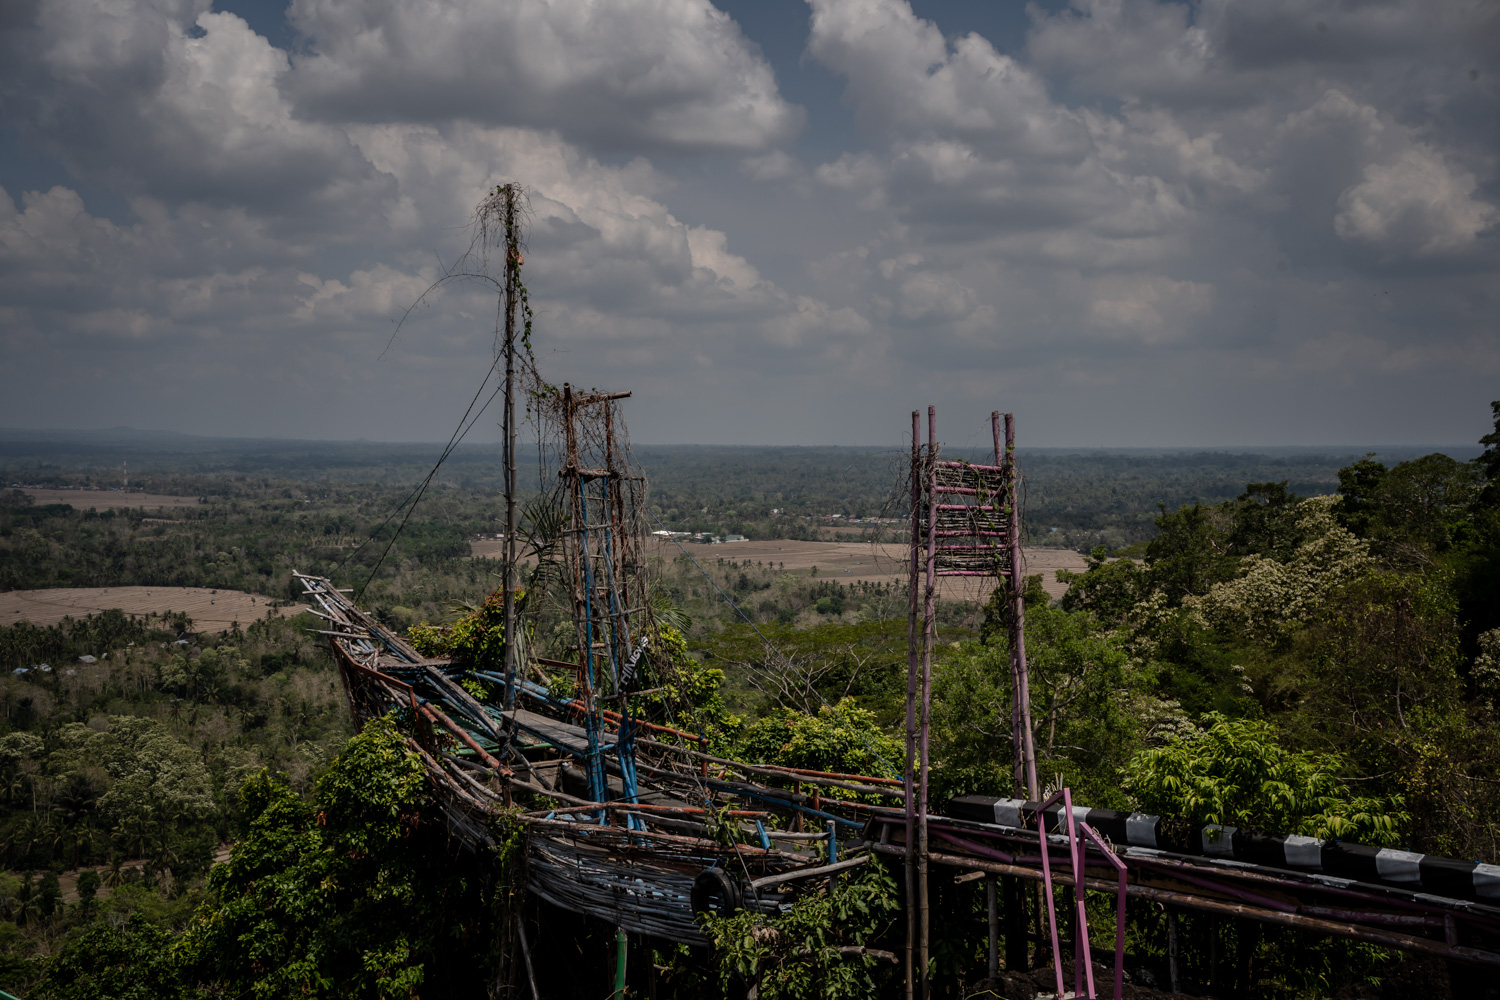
x: 1018, y: 616
x: 911, y: 706
x: 928, y: 614
x: 512, y: 280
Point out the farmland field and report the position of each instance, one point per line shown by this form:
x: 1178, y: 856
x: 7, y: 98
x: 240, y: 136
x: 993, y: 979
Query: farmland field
x: 107, y: 499
x: 858, y: 562
x: 845, y: 562
x: 211, y: 610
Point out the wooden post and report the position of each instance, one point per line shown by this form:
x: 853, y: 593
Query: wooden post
x: 1249, y: 940
x: 1172, y: 978
x: 1213, y: 952
x: 526, y: 955
x: 1018, y: 610
x: 928, y: 614
x: 1017, y: 957
x: 508, y: 571
x: 992, y: 911
x: 912, y: 659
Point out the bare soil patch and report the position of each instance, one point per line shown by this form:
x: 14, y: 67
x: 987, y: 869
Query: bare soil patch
x: 854, y: 562
x: 102, y: 499
x: 211, y: 610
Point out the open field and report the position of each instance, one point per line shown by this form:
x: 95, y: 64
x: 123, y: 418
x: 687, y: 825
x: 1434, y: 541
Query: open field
x: 853, y: 562
x: 847, y: 562
x: 102, y: 499
x: 211, y: 610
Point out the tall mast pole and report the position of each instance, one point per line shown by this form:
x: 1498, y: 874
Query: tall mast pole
x: 913, y: 661
x: 1018, y: 614
x: 925, y: 720
x: 512, y: 279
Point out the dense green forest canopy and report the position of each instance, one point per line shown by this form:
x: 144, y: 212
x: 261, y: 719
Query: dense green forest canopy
x: 1075, y: 498
x: 1294, y: 641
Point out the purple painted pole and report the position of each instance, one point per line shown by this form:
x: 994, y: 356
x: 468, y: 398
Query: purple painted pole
x: 1041, y: 836
x: 1120, y: 893
x: 1083, y: 965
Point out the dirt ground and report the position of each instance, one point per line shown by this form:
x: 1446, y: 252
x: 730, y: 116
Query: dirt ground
x: 102, y: 499
x: 211, y: 610
x: 865, y: 561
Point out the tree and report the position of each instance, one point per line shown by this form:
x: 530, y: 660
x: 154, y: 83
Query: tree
x: 49, y: 891
x: 1489, y: 462
x: 1108, y: 588
x: 1359, y: 490
x: 842, y: 738
x: 1276, y: 594
x: 1192, y: 552
x: 88, y: 887
x: 817, y: 948
x: 353, y: 895
x: 1084, y: 693
x: 1266, y: 521
x: 132, y: 961
x: 1235, y: 772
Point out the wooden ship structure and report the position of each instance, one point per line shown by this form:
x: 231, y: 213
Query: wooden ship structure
x: 635, y: 823
x: 629, y: 818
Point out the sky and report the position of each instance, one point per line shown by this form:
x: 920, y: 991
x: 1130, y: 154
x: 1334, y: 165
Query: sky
x: 1129, y: 222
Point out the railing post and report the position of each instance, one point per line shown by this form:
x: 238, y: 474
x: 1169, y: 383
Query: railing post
x: 992, y: 911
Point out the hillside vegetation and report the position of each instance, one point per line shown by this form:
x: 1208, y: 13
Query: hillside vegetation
x: 1316, y: 650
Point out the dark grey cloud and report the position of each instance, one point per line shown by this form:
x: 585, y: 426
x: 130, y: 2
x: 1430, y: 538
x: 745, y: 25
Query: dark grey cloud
x: 664, y: 75
x: 1142, y: 222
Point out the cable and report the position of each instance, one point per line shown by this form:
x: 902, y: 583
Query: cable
x: 770, y: 645
x: 459, y: 433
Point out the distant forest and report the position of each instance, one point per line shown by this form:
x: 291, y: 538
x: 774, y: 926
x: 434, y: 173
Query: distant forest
x: 1074, y: 498
x: 1293, y: 641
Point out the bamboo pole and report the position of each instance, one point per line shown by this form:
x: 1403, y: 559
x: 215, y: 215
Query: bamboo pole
x: 1018, y: 610
x: 992, y: 911
x: 908, y: 787
x: 508, y: 572
x: 1205, y: 904
x: 622, y: 949
x: 928, y: 612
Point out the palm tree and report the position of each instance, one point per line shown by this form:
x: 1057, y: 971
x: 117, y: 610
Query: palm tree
x: 115, y: 876
x: 14, y: 785
x: 27, y: 906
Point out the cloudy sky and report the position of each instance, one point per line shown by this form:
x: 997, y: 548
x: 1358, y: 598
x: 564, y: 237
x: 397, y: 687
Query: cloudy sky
x: 1227, y: 222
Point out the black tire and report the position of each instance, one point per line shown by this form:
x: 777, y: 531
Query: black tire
x: 714, y: 891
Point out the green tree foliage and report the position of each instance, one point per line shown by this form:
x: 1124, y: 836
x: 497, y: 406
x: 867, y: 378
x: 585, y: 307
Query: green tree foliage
x: 815, y: 948
x: 1084, y: 693
x: 1192, y: 552
x: 1236, y: 772
x: 129, y: 961
x: 1107, y: 588
x: 1273, y: 595
x: 842, y: 738
x: 1413, y: 512
x: 353, y: 895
